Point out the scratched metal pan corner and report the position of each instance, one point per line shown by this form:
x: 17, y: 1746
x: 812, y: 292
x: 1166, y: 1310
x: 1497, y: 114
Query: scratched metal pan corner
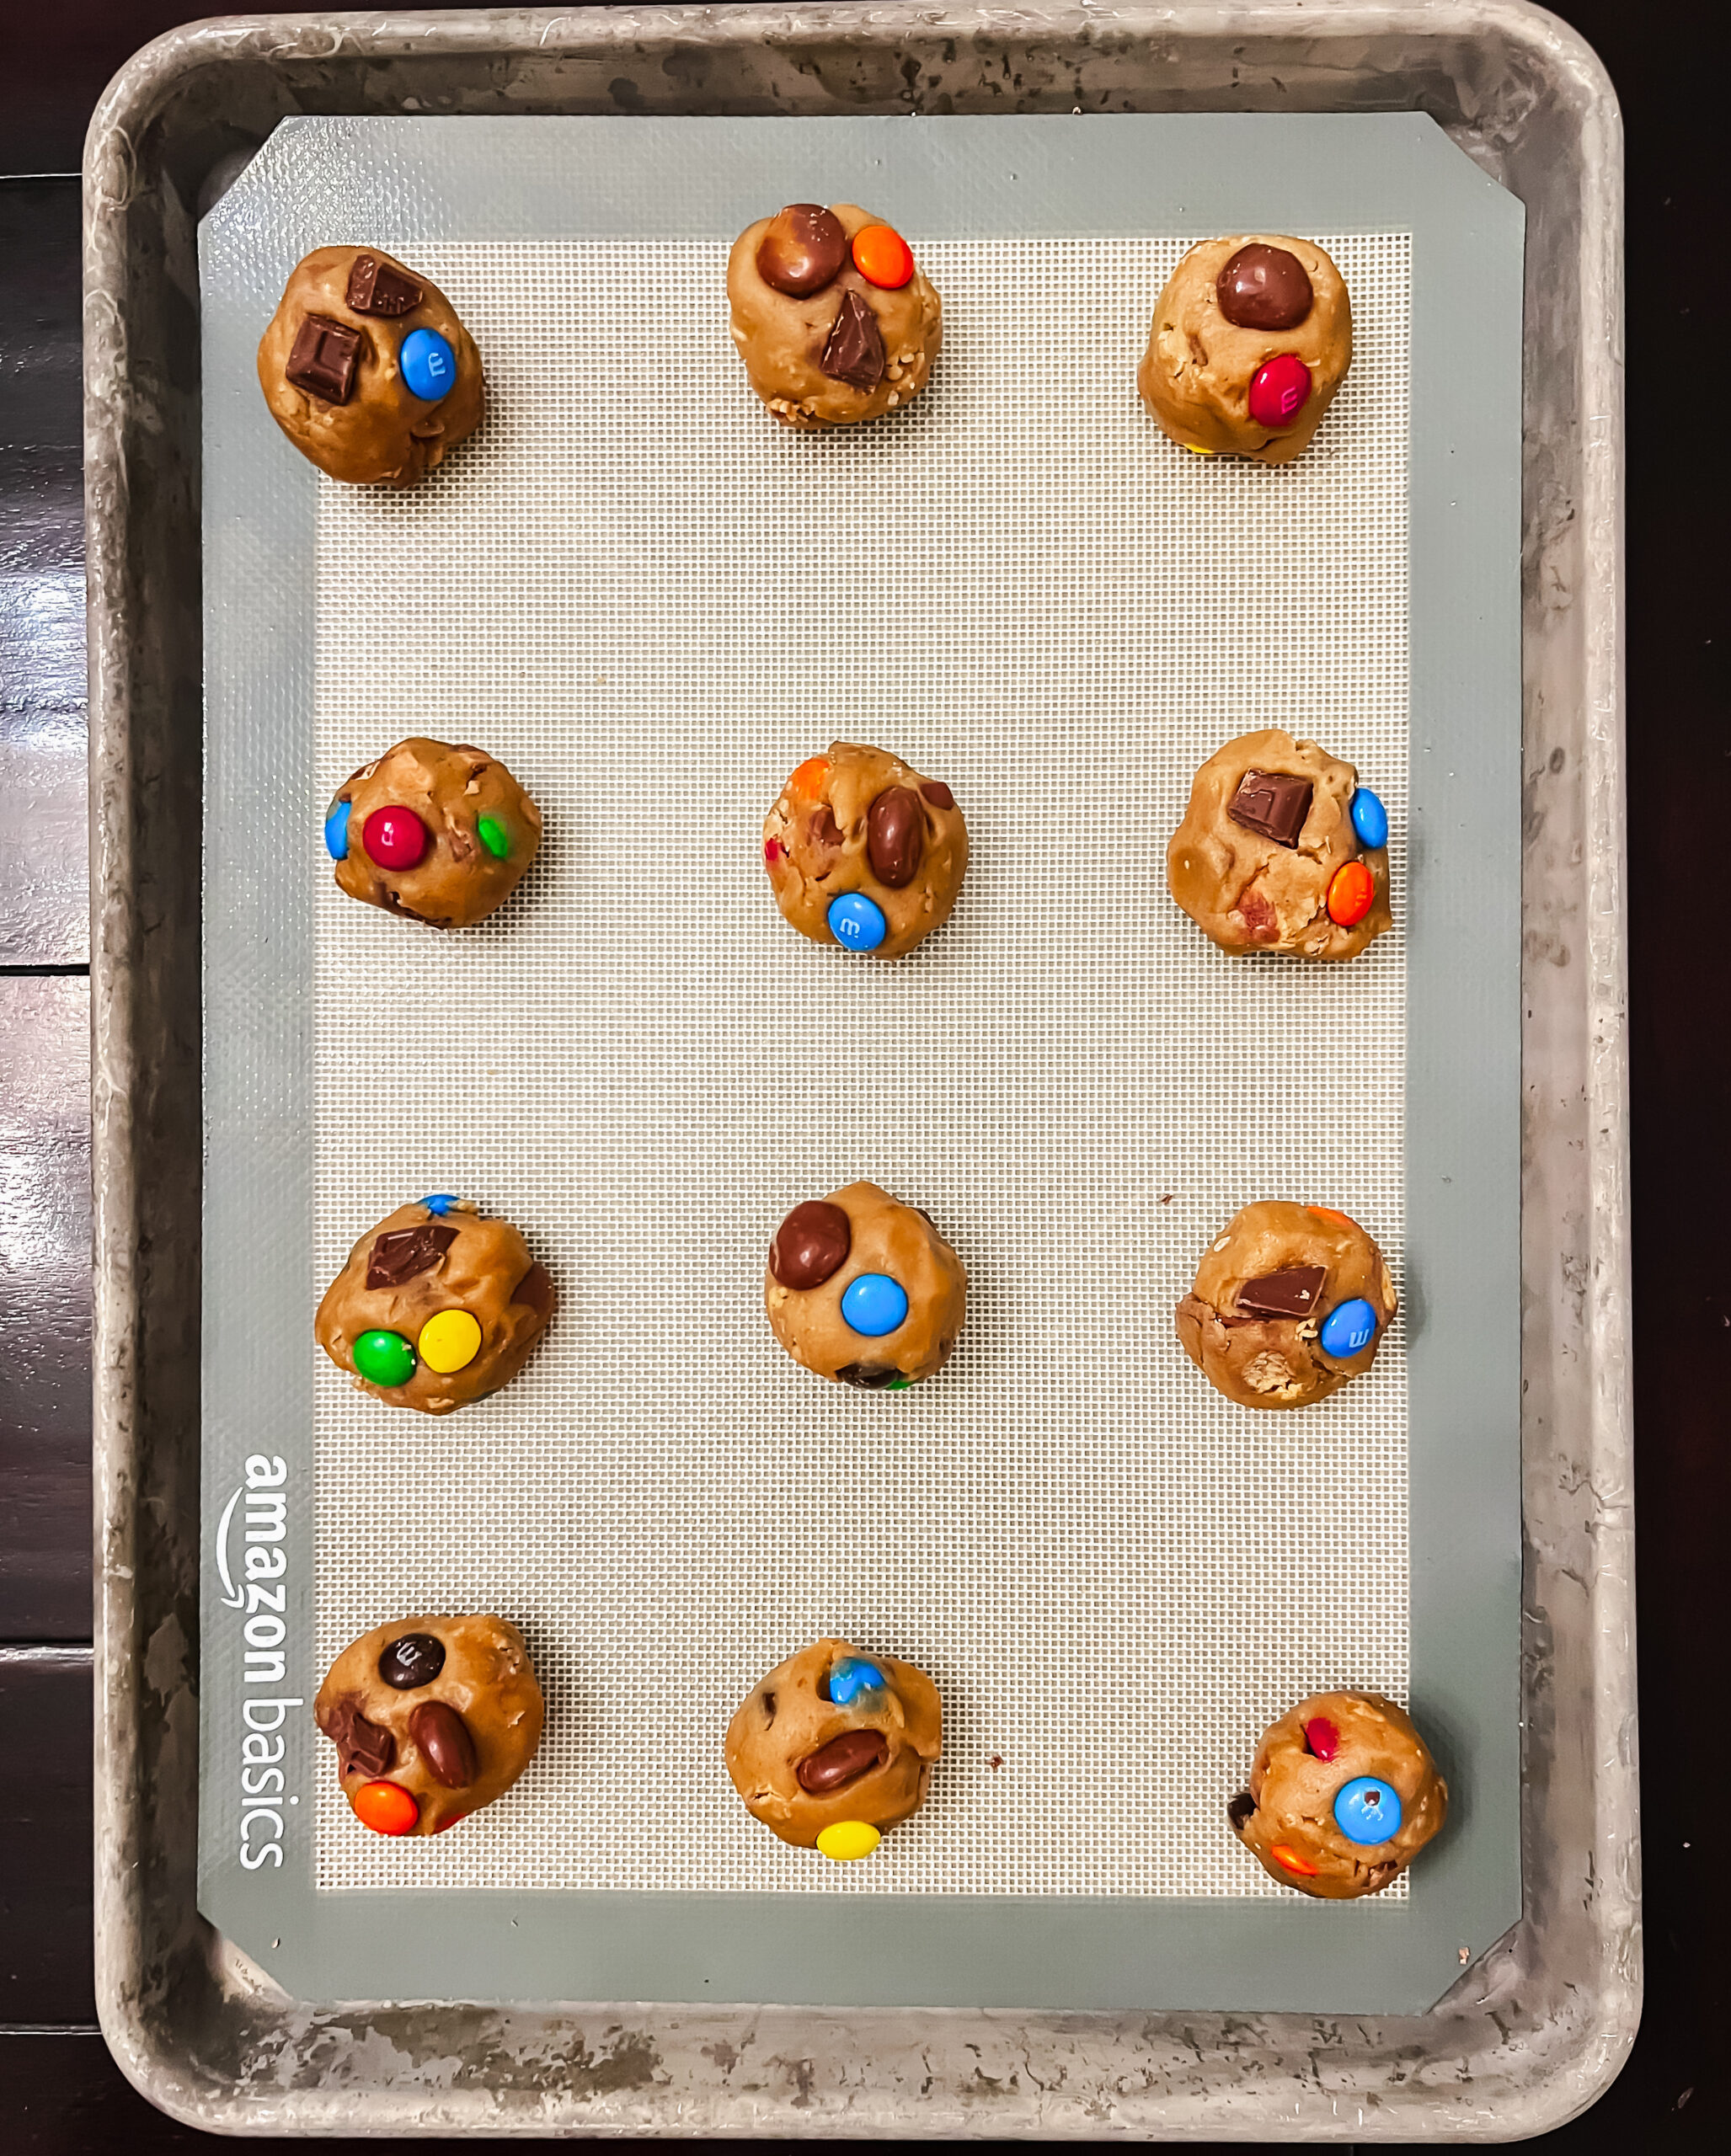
x: 1538, y: 2025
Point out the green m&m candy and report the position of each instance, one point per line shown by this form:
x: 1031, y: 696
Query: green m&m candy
x: 384, y: 1358
x: 494, y: 836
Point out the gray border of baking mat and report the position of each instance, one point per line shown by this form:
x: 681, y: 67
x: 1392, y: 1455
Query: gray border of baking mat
x: 951, y: 178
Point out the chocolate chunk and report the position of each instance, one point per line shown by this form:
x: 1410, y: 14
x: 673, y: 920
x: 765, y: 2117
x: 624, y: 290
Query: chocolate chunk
x: 412, y: 1660
x: 855, y: 351
x: 938, y: 793
x: 536, y: 1289
x: 375, y: 288
x: 404, y: 1252
x: 1241, y: 1811
x: 867, y: 1377
x: 842, y: 1760
x: 811, y: 1244
x: 445, y: 1743
x: 1291, y: 1292
x: 324, y: 358
x: 361, y: 1744
x: 895, y: 836
x: 1264, y: 288
x: 1272, y: 804
x: 804, y: 249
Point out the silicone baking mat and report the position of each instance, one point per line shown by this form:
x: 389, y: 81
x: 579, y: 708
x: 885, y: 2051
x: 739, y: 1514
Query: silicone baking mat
x: 652, y: 603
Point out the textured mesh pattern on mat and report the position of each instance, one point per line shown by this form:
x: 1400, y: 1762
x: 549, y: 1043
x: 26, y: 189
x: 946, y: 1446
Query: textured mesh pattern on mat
x: 652, y: 604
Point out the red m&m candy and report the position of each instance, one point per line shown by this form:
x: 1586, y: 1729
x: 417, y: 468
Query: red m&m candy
x: 394, y: 837
x: 1351, y: 895
x: 1321, y: 1739
x: 1279, y: 390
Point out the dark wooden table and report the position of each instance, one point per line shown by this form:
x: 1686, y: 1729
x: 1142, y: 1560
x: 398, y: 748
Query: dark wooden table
x: 58, y: 2089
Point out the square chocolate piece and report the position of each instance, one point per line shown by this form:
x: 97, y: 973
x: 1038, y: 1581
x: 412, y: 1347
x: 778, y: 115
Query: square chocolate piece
x: 1292, y: 1293
x: 405, y: 1252
x: 1273, y: 804
x: 375, y: 288
x: 325, y: 356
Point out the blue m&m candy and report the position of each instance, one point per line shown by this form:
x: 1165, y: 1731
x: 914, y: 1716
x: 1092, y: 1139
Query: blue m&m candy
x: 1369, y: 818
x: 1348, y: 1327
x: 336, y: 830
x: 441, y: 1202
x: 874, y: 1305
x: 428, y: 366
x: 1367, y: 1811
x: 857, y: 921
x: 851, y: 1676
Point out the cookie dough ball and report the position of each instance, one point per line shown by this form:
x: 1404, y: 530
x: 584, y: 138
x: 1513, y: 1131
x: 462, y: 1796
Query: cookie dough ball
x: 1281, y: 849
x: 834, y: 1747
x: 436, y: 1307
x: 367, y: 370
x: 864, y: 1290
x: 833, y: 321
x: 1251, y: 339
x: 1342, y: 1798
x: 863, y: 851
x: 432, y: 1718
x: 1291, y: 1302
x: 441, y: 833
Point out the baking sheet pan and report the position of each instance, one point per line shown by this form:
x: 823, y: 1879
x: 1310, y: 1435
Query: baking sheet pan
x: 1081, y: 617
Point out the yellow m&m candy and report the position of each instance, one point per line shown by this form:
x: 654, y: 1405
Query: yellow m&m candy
x: 848, y: 1840
x: 450, y: 1340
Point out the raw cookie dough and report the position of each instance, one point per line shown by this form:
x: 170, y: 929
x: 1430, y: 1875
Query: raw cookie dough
x: 1273, y: 854
x: 1251, y: 339
x: 354, y: 329
x: 441, y: 833
x: 863, y: 851
x: 1342, y: 1798
x: 432, y: 1718
x: 1291, y: 1302
x: 436, y: 1307
x: 834, y: 322
x: 864, y: 1290
x: 835, y: 1746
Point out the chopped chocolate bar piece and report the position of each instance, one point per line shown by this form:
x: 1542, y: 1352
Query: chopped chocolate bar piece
x: 323, y: 359
x: 1274, y: 804
x: 1292, y: 1293
x: 404, y: 1252
x: 855, y: 351
x: 360, y: 1743
x: 377, y: 287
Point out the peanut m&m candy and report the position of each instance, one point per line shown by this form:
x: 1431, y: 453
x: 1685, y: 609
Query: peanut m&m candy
x: 1369, y: 818
x: 1352, y: 892
x: 883, y: 256
x: 845, y: 1841
x: 386, y: 1807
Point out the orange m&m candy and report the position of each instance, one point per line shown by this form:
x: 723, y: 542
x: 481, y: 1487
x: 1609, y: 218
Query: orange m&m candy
x: 1292, y: 1860
x: 1328, y: 1213
x: 386, y: 1807
x: 1351, y: 895
x: 883, y: 256
x: 809, y: 777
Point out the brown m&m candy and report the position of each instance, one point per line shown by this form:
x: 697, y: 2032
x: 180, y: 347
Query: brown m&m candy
x: 802, y: 250
x: 1263, y: 287
x: 810, y: 1244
